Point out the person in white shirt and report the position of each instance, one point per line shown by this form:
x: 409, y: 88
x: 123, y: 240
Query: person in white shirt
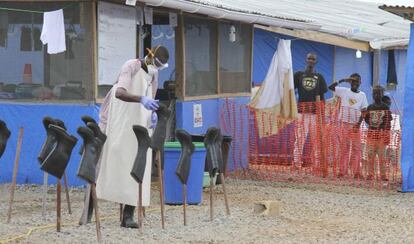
x: 353, y: 103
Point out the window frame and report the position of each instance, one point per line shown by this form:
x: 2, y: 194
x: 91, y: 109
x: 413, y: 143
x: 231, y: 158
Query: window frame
x: 180, y: 61
x: 91, y: 90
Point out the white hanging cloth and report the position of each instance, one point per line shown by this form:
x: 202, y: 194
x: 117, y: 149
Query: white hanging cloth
x: 53, y: 32
x: 275, y: 102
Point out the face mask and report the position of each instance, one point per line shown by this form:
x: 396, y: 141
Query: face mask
x: 152, y: 70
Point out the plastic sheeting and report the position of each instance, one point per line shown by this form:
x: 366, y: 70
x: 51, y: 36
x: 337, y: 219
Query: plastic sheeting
x: 407, y: 157
x: 165, y: 35
x: 30, y: 116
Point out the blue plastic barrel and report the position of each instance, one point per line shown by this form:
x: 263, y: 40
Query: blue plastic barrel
x: 173, y: 190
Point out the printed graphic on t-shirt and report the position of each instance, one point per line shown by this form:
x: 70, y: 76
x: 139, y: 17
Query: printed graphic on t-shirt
x: 309, y: 83
x: 352, y: 101
x: 376, y: 118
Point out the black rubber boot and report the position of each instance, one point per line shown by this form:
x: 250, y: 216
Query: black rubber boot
x: 140, y: 163
x: 225, y: 149
x: 50, y: 137
x: 86, y: 119
x: 97, y: 133
x: 158, y: 137
x: 128, y: 217
x: 187, y: 149
x: 4, y: 136
x: 214, y: 158
x: 56, y: 161
x: 59, y: 123
x: 90, y: 156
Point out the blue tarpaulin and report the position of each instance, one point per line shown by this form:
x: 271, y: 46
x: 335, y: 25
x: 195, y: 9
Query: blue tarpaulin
x: 30, y: 116
x: 407, y: 157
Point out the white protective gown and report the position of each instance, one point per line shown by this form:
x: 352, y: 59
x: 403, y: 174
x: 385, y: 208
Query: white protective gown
x: 115, y: 182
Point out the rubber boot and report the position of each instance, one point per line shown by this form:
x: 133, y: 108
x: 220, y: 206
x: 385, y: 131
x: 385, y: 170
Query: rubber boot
x: 57, y: 160
x: 187, y: 149
x: 90, y: 156
x: 214, y: 158
x: 50, y: 137
x: 225, y: 148
x: 97, y: 133
x: 4, y: 136
x: 128, y: 217
x: 138, y: 170
x: 59, y: 123
x: 158, y: 137
x: 86, y: 119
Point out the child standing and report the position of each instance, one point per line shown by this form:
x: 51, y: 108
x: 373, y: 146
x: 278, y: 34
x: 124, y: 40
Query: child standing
x: 378, y: 118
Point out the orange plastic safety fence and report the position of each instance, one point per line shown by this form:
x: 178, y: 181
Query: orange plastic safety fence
x: 325, y: 143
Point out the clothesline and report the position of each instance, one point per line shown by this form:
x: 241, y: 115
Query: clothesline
x: 287, y: 39
x: 33, y: 11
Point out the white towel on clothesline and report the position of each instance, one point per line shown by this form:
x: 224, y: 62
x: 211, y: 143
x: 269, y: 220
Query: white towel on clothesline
x: 53, y: 32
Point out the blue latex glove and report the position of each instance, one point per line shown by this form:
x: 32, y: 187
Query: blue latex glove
x: 154, y: 120
x: 149, y: 103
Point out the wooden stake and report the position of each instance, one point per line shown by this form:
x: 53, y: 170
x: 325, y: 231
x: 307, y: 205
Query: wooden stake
x: 140, y: 206
x: 16, y: 167
x: 211, y: 198
x: 88, y: 190
x: 161, y: 185
x: 225, y: 193
x: 65, y: 181
x: 44, y: 197
x: 58, y: 201
x: 185, y: 203
x: 121, y: 212
x: 97, y: 218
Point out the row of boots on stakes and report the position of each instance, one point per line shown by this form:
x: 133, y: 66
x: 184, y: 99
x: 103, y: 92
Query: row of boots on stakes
x: 155, y: 142
x: 4, y: 136
x: 56, y: 151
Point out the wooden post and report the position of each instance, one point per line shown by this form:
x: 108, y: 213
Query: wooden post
x: 65, y: 181
x: 58, y: 208
x: 225, y: 193
x: 185, y: 203
x: 84, y: 219
x: 140, y: 206
x: 121, y: 212
x: 16, y: 166
x: 97, y: 218
x: 211, y: 198
x: 44, y: 194
x: 161, y: 185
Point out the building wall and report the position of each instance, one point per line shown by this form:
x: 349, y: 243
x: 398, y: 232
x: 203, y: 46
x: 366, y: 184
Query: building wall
x: 29, y: 117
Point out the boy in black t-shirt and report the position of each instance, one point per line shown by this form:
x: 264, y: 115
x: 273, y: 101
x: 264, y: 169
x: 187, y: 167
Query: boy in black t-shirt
x: 378, y: 118
x: 309, y: 85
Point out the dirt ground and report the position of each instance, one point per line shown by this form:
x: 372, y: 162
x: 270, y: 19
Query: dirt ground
x: 309, y: 213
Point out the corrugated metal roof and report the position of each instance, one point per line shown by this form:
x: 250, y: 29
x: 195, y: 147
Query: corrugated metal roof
x: 352, y: 19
